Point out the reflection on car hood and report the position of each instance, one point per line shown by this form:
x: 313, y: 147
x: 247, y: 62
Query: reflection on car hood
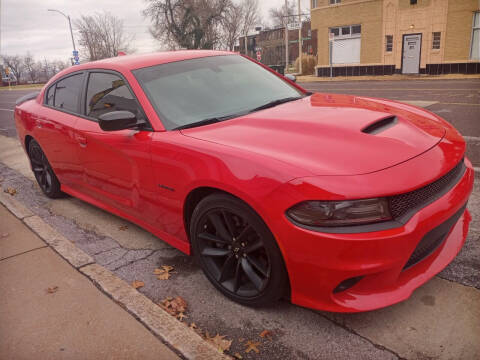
x: 328, y: 134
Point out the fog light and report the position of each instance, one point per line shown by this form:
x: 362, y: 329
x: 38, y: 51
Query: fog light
x: 347, y: 284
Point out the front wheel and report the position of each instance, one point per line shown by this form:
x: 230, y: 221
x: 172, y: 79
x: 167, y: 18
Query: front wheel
x: 237, y: 251
x: 46, y: 178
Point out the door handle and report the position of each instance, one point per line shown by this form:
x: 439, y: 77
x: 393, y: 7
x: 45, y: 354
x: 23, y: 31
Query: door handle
x: 82, y: 140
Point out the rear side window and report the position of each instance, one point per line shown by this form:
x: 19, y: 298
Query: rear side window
x: 109, y: 92
x: 50, y: 95
x: 67, y: 93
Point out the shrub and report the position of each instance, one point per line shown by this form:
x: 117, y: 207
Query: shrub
x: 308, y: 64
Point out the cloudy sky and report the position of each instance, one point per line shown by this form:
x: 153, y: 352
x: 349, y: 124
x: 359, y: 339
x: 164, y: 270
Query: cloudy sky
x: 26, y: 25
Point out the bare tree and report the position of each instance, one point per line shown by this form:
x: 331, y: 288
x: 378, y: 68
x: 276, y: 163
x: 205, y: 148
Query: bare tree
x: 102, y: 36
x: 277, y: 15
x: 190, y: 24
x: 232, y: 24
x: 250, y: 15
x: 16, y: 65
x: 31, y: 68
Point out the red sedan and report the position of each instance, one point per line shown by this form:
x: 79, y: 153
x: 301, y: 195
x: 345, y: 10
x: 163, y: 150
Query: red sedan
x: 342, y: 203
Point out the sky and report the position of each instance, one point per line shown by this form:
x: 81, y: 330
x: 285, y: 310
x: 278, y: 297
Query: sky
x: 26, y: 25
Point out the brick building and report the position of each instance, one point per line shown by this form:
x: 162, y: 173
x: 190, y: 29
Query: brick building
x: 271, y: 43
x: 377, y: 37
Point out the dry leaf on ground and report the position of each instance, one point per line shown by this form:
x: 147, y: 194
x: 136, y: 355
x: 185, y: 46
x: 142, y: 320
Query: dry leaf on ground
x: 123, y: 227
x: 181, y: 316
x: 164, y: 273
x: 266, y: 334
x: 10, y: 191
x: 52, y: 289
x: 238, y: 356
x: 138, y: 284
x: 252, y: 345
x: 174, y: 306
x: 219, y: 342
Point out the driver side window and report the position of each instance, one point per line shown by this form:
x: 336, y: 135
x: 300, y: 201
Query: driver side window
x: 108, y: 92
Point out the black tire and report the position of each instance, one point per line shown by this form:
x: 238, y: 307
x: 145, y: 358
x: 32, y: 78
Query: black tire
x: 46, y: 178
x: 237, y: 251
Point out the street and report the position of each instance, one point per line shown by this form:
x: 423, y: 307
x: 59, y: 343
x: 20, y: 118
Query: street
x: 446, y: 310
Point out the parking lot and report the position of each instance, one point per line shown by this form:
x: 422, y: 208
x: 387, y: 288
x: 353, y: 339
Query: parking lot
x: 440, y: 321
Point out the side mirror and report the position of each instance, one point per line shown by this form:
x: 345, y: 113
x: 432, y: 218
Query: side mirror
x: 117, y: 120
x: 291, y: 77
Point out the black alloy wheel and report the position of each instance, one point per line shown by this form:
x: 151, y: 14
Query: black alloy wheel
x: 46, y: 178
x: 237, y: 251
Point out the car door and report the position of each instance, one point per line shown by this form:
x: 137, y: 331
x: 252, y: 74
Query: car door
x: 55, y: 126
x: 116, y: 164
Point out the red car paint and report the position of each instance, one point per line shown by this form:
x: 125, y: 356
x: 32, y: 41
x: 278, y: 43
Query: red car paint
x: 309, y: 149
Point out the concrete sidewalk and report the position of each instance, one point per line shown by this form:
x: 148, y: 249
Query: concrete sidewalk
x: 50, y: 310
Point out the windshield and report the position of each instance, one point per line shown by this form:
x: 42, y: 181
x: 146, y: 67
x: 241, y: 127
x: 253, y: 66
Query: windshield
x: 210, y: 89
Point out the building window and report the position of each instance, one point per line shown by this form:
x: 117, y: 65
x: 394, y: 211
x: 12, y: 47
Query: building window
x: 388, y: 43
x: 436, y: 40
x: 475, y: 50
x: 343, y: 32
x: 332, y: 2
x: 413, y: 2
x: 314, y: 4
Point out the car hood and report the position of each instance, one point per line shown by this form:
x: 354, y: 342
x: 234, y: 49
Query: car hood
x: 326, y: 134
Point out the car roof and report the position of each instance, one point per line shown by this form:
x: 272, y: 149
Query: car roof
x: 132, y: 62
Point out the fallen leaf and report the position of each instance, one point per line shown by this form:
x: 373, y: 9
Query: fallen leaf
x: 10, y: 191
x: 193, y: 326
x: 52, y: 289
x: 266, y: 334
x: 164, y: 272
x: 241, y: 340
x: 4, y: 235
x: 219, y: 342
x: 252, y: 345
x: 181, y: 316
x: 164, y: 276
x: 138, y: 284
x: 238, y: 356
x: 123, y: 227
x: 174, y: 306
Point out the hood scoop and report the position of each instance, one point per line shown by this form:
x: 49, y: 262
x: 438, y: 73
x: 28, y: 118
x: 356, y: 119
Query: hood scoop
x: 380, y: 125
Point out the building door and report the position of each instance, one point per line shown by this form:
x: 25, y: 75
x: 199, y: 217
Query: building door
x: 412, y: 44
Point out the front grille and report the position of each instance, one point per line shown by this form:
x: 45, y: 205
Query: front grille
x: 433, y: 239
x: 404, y: 205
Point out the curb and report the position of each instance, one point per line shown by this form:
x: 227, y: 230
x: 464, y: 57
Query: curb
x: 174, y: 333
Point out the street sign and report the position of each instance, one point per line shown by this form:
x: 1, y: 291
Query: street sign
x: 294, y: 26
x: 259, y: 56
x: 75, y: 53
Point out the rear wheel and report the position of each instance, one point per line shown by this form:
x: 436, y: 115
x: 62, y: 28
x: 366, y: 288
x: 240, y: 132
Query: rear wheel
x: 237, y: 251
x: 46, y: 178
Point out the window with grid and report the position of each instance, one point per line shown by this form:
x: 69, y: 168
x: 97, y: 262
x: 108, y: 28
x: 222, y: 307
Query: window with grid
x: 346, y: 31
x: 475, y: 49
x: 388, y: 43
x: 332, y: 2
x: 436, y: 40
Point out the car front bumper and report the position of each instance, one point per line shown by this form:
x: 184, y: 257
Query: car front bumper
x: 318, y: 262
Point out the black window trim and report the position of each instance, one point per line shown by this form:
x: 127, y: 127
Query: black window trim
x: 146, y: 127
x: 83, y: 94
x: 45, y: 99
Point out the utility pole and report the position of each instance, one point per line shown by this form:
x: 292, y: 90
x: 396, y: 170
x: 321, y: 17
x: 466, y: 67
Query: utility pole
x: 286, y: 36
x: 300, y: 41
x: 70, y: 25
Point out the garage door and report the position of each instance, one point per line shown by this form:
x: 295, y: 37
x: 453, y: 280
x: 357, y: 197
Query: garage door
x: 346, y: 51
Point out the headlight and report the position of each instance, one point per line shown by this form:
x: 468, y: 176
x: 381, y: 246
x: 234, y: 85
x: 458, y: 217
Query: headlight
x: 340, y: 213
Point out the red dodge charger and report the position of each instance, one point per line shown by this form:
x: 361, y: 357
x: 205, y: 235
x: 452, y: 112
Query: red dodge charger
x: 341, y: 203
